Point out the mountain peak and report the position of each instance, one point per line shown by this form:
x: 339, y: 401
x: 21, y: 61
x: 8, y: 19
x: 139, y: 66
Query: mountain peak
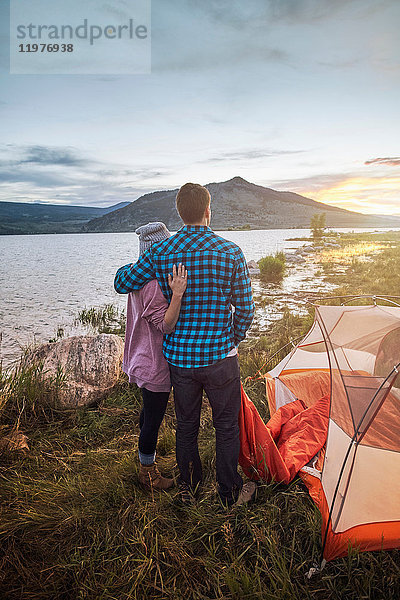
x: 237, y: 180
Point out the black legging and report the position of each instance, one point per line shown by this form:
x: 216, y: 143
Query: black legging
x: 153, y: 411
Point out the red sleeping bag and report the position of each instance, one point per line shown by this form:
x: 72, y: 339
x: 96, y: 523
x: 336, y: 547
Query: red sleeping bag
x: 291, y: 438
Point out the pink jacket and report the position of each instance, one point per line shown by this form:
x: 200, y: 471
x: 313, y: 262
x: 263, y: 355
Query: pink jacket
x: 144, y: 361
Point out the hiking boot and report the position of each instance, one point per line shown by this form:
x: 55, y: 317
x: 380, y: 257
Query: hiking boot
x: 186, y: 495
x: 150, y: 477
x: 247, y: 493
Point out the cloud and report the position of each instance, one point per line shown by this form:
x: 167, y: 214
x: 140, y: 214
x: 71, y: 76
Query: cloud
x: 214, y: 34
x: 392, y: 161
x: 124, y: 176
x: 313, y: 183
x: 61, y: 175
x: 343, y: 64
x: 251, y: 154
x: 294, y: 11
x: 208, y: 36
x: 36, y: 178
x: 123, y: 10
x: 237, y: 13
x: 39, y: 166
x: 352, y: 190
x: 212, y: 58
x: 44, y: 155
x: 309, y: 11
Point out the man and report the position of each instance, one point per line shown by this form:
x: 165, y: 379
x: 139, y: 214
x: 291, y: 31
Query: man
x: 202, y: 351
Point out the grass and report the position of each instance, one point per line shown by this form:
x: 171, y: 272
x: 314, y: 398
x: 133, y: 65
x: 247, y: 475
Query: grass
x: 75, y: 524
x: 28, y: 393
x: 275, y: 343
x: 347, y: 253
x: 366, y: 264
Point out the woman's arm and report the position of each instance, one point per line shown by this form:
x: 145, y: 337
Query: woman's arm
x: 177, y: 283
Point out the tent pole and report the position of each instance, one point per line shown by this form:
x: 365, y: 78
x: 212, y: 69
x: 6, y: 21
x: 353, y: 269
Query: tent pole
x: 355, y: 297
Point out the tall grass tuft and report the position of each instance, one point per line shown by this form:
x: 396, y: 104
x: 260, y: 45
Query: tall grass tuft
x: 103, y: 319
x: 28, y: 393
x: 273, y: 268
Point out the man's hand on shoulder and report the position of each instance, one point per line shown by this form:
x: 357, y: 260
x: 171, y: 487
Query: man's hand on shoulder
x: 178, y: 281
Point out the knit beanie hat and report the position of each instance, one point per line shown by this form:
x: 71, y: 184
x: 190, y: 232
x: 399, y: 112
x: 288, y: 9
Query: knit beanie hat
x: 150, y: 234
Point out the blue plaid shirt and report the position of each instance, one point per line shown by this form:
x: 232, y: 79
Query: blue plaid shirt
x: 218, y: 278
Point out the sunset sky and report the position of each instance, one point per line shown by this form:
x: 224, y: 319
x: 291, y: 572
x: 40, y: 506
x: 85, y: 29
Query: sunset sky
x: 299, y: 95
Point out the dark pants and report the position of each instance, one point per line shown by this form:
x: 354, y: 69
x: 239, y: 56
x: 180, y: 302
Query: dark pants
x: 221, y: 382
x: 153, y: 411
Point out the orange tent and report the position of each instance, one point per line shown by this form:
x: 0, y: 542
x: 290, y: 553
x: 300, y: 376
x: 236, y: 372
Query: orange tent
x: 335, y: 419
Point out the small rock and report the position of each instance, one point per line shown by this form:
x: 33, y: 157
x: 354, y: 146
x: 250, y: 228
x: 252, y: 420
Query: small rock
x: 253, y: 267
x: 295, y: 259
x: 252, y: 264
x: 91, y: 364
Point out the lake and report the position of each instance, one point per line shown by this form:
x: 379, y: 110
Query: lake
x: 46, y: 279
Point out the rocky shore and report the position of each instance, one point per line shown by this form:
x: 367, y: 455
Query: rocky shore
x: 303, y: 281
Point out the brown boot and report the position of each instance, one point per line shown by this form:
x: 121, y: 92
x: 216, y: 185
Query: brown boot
x: 150, y: 477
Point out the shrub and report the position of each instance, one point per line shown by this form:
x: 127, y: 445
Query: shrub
x: 318, y: 225
x: 273, y: 268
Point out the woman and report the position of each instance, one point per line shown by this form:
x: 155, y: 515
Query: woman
x: 148, y: 318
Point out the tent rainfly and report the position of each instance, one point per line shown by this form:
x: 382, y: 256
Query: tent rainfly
x: 351, y: 354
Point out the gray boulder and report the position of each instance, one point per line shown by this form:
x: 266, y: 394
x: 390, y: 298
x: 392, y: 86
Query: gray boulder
x: 253, y: 267
x: 295, y: 259
x: 91, y: 365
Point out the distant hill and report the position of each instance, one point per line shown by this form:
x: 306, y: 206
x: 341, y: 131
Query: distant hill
x: 236, y: 203
x: 114, y: 207
x: 21, y: 217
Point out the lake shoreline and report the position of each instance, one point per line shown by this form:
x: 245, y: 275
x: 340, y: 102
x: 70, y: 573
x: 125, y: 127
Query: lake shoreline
x: 236, y: 229
x: 62, y: 275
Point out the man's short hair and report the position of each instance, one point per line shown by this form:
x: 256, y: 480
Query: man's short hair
x: 191, y: 202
